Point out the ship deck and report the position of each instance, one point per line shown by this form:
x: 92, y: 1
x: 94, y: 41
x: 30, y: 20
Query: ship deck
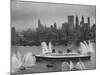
x: 62, y: 57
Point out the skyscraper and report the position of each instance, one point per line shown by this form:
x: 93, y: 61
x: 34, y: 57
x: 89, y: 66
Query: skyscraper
x: 77, y: 22
x: 55, y: 25
x: 39, y: 23
x: 71, y: 22
x: 89, y: 21
x: 82, y: 20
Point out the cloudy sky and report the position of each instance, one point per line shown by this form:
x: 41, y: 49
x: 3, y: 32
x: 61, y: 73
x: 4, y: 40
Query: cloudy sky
x: 26, y: 14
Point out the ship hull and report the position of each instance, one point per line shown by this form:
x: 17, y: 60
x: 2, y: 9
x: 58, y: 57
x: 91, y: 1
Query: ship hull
x: 62, y: 58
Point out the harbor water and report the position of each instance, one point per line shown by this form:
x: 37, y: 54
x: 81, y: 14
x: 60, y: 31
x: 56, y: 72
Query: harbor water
x: 42, y: 66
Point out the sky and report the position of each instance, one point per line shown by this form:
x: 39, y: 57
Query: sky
x: 25, y: 15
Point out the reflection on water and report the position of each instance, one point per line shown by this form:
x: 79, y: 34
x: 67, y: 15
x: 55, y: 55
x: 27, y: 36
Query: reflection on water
x: 42, y: 66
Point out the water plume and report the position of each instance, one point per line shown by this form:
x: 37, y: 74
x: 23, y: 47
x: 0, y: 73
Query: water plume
x: 18, y: 61
x: 80, y: 65
x: 44, y: 47
x: 86, y: 47
x: 83, y: 48
x: 65, y: 66
x: 29, y: 60
x: 50, y: 47
x: 71, y: 65
x: 90, y: 48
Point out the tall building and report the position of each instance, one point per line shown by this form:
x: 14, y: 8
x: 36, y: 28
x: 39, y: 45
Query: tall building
x: 55, y: 25
x: 71, y: 22
x: 77, y: 22
x: 52, y: 27
x: 39, y: 23
x: 14, y: 36
x: 89, y: 21
x: 40, y: 28
x: 65, y: 26
x: 82, y: 21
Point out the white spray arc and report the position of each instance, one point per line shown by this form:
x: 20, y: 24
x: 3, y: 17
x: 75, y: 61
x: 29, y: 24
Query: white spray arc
x: 50, y: 47
x: 29, y: 59
x: 45, y: 48
x: 18, y: 61
x: 80, y: 65
x: 65, y: 66
x: 86, y: 47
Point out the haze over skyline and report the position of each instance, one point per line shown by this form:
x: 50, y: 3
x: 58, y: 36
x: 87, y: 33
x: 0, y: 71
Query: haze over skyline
x: 26, y: 14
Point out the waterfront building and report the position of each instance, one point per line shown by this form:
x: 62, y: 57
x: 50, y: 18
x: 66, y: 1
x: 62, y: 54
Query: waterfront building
x: 89, y: 21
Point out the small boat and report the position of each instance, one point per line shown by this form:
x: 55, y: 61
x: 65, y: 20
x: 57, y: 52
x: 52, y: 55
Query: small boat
x: 49, y: 65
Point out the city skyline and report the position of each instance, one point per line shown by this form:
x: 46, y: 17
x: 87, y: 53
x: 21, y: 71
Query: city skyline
x: 52, y: 37
x: 23, y: 19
